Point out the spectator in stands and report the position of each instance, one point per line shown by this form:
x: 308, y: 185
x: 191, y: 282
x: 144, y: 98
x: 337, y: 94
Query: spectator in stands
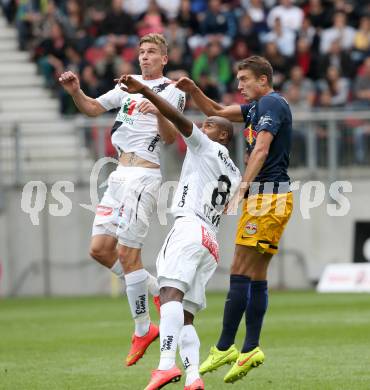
x: 117, y: 26
x: 283, y: 37
x: 187, y: 19
x: 258, y: 15
x: 9, y: 8
x: 51, y: 54
x: 290, y: 15
x: 52, y: 14
x: 152, y: 21
x: 136, y: 8
x: 109, y: 67
x: 279, y: 63
x: 220, y: 23
x: 209, y: 85
x: 338, y: 58
x: 29, y: 12
x: 339, y: 31
x: 334, y: 89
x: 349, y: 9
x: 248, y: 33
x: 308, y: 32
x: 198, y: 6
x: 361, y: 44
x: 361, y: 90
x: 298, y: 84
x: 319, y: 15
x: 240, y: 50
x: 175, y: 34
x: 169, y: 8
x: 177, y: 61
x: 306, y: 59
x: 298, y: 102
x: 74, y: 61
x: 215, y: 64
x: 90, y: 82
x: 361, y: 101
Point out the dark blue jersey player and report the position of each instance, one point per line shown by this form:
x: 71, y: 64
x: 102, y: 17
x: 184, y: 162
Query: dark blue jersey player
x: 266, y: 190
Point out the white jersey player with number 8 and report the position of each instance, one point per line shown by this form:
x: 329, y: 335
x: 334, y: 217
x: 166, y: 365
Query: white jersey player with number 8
x: 189, y: 255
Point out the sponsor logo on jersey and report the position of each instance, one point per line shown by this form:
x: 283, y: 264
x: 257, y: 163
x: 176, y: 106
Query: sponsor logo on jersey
x: 129, y: 106
x: 104, y: 210
x: 226, y: 161
x: 250, y: 135
x: 265, y: 120
x: 161, y: 87
x: 251, y: 228
x: 184, y: 193
x: 154, y: 142
x: 210, y: 243
x: 181, y: 103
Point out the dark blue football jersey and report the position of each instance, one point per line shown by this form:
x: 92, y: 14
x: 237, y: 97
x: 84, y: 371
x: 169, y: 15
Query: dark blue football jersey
x: 270, y: 113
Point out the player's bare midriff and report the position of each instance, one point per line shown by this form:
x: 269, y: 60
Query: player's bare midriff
x: 133, y: 160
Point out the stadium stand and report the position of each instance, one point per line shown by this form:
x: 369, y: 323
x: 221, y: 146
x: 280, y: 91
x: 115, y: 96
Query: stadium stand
x: 48, y: 144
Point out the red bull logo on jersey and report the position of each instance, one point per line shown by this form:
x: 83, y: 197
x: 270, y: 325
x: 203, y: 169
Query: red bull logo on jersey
x: 250, y: 135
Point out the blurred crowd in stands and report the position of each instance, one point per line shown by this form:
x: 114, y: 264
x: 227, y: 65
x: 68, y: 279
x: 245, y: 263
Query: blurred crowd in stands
x: 320, y: 50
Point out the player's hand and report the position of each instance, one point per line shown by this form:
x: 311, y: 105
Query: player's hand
x: 146, y: 107
x: 232, y: 206
x: 129, y: 84
x: 186, y: 85
x: 69, y: 82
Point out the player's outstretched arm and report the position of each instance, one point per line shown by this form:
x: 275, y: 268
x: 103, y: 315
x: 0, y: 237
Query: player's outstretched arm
x: 207, y: 105
x: 85, y: 104
x: 131, y: 85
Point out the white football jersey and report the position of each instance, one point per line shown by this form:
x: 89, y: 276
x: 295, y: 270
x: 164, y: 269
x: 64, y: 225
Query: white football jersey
x: 209, y: 178
x: 132, y: 130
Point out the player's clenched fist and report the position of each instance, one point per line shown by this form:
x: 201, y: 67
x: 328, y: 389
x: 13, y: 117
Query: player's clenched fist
x: 185, y: 84
x: 69, y: 82
x: 130, y: 84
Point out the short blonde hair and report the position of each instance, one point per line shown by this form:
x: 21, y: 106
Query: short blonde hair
x: 157, y: 39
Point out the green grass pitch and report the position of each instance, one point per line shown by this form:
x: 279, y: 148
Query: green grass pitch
x: 311, y: 341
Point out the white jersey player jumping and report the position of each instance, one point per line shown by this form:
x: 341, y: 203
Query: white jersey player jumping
x: 190, y: 254
x: 124, y: 212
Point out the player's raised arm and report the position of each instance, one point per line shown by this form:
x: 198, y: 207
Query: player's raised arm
x: 207, y: 105
x: 131, y: 85
x: 85, y: 104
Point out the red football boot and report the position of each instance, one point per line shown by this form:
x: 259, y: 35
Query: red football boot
x: 140, y: 344
x: 161, y: 378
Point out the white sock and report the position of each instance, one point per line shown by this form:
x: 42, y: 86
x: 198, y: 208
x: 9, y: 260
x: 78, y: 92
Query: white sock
x: 153, y: 285
x: 118, y: 270
x: 137, y: 294
x: 189, y: 351
x: 172, y: 321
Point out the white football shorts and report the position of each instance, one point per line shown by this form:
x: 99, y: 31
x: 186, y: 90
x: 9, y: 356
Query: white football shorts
x: 187, y: 261
x: 128, y: 205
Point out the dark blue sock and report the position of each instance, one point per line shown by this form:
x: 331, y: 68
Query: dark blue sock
x: 235, y: 305
x: 256, y: 309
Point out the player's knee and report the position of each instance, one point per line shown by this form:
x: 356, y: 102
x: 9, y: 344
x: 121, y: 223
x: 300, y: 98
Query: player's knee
x: 169, y: 294
x: 96, y: 253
